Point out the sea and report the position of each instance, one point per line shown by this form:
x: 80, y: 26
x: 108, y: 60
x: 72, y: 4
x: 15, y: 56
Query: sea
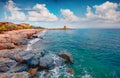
x: 96, y: 52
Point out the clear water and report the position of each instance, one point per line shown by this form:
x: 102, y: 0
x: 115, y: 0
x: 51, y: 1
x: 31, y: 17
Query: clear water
x: 96, y: 52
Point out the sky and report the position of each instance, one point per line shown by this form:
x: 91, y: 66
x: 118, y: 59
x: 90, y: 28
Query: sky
x: 57, y: 13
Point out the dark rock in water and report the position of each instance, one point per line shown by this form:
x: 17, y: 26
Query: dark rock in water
x: 34, y: 62
x: 66, y: 56
x: 50, y: 61
x: 19, y: 68
x: 71, y: 71
x: 35, y: 36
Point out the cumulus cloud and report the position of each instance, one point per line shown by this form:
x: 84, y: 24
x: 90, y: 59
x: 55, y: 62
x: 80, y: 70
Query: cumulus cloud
x: 107, y: 12
x: 15, y: 13
x: 41, y: 13
x: 68, y: 15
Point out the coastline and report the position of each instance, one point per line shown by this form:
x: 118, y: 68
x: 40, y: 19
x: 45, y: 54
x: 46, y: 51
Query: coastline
x: 17, y: 38
x: 24, y: 62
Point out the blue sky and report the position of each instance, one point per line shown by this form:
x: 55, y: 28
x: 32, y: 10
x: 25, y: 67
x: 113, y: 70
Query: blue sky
x: 57, y: 13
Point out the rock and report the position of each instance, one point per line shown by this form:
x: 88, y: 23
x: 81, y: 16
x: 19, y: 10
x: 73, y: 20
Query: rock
x: 18, y: 75
x: 15, y: 56
x: 46, y: 61
x: 3, y: 67
x: 6, y: 46
x: 47, y: 73
x: 23, y: 41
x: 6, y: 64
x: 70, y: 70
x: 50, y: 61
x: 27, y: 58
x: 33, y: 71
x: 34, y: 62
x: 35, y: 36
x: 19, y: 68
x: 66, y: 56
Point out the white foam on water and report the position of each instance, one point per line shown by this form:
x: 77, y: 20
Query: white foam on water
x: 33, y: 41
x: 57, y: 71
x: 41, y: 34
x: 86, y: 75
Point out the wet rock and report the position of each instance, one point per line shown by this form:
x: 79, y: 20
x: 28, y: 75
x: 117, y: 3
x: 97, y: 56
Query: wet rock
x: 19, y: 68
x: 71, y: 71
x: 66, y: 56
x: 46, y: 61
x: 27, y: 58
x: 34, y: 62
x: 33, y: 71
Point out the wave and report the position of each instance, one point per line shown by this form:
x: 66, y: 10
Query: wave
x: 33, y: 41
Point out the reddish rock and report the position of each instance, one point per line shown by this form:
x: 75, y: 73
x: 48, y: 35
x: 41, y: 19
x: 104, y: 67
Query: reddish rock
x: 33, y: 71
x: 70, y: 70
x: 6, y: 46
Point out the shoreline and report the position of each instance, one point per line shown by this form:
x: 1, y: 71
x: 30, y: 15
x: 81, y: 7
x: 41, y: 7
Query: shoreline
x: 17, y: 38
x: 29, y: 63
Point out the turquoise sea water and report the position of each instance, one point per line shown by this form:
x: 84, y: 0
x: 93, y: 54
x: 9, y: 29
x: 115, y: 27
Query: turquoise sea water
x: 96, y: 52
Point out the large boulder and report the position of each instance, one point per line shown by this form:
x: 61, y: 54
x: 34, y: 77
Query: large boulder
x: 50, y: 61
x: 6, y: 64
x: 19, y: 68
x: 67, y: 56
x: 34, y: 62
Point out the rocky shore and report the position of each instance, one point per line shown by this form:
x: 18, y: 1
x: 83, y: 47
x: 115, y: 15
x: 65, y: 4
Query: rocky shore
x: 17, y: 62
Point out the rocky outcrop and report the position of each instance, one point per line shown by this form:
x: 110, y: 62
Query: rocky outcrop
x: 67, y: 56
x: 6, y: 46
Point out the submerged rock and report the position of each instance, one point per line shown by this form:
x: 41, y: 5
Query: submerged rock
x: 66, y: 56
x: 71, y: 71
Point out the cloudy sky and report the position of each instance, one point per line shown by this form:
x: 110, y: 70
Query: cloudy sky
x: 57, y: 13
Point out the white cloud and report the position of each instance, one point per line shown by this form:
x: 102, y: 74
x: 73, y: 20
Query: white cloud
x: 41, y: 13
x: 107, y: 12
x: 68, y: 15
x: 15, y: 14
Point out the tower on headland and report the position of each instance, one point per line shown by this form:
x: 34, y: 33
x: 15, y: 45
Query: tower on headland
x: 65, y: 27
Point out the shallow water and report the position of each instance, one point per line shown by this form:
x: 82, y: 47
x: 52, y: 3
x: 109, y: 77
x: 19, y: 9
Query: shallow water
x: 96, y: 52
